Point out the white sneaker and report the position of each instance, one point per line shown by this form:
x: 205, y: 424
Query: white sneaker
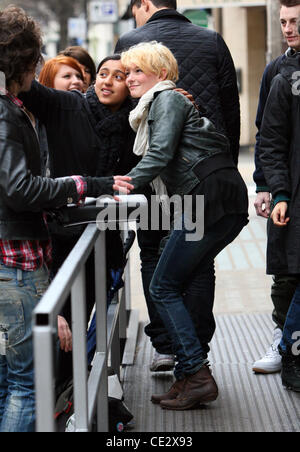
x: 162, y: 363
x: 271, y: 362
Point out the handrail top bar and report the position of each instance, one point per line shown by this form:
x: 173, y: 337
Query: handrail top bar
x: 89, y: 213
x: 61, y: 286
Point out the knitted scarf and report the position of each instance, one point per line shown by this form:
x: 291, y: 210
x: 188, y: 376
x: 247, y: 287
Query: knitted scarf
x: 112, y: 128
x: 138, y: 119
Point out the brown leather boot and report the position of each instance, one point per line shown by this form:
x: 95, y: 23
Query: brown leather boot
x: 173, y: 392
x: 198, y: 389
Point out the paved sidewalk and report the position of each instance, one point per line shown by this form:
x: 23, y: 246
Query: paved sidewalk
x: 247, y: 402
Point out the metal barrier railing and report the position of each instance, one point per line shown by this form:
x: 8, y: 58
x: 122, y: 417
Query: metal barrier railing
x: 90, y: 392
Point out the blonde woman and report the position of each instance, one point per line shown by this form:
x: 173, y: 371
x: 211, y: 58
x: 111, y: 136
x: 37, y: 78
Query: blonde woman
x: 182, y: 154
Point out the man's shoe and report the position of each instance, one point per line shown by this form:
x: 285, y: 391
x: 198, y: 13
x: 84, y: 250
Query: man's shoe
x: 162, y: 363
x: 290, y: 374
x: 271, y: 362
x: 173, y: 392
x: 198, y: 389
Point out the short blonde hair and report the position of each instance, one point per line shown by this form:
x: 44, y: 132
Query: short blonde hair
x: 152, y: 57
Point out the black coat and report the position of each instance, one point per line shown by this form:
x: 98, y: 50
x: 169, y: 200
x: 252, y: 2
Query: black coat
x: 280, y: 159
x: 75, y: 144
x: 206, y: 68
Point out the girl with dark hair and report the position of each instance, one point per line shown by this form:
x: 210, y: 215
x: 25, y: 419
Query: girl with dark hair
x: 87, y: 134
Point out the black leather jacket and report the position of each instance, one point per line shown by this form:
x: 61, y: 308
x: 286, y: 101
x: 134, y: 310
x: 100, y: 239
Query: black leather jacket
x: 24, y: 194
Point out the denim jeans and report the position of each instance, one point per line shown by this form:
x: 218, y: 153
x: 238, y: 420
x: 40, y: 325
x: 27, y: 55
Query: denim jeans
x: 201, y: 286
x: 291, y: 330
x: 19, y: 294
x: 179, y: 260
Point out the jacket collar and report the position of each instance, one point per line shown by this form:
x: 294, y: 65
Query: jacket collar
x: 168, y: 13
x: 290, y: 65
x: 14, y: 99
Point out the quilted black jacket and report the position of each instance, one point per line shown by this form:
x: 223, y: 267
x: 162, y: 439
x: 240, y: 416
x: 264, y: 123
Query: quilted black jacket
x: 206, y: 68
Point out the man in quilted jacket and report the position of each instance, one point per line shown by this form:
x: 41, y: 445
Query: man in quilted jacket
x: 206, y: 70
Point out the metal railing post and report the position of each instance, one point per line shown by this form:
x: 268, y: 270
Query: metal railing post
x: 78, y: 298
x: 101, y: 328
x: 44, y: 375
x: 90, y: 394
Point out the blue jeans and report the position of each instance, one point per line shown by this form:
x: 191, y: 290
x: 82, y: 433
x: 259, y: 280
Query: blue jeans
x: 19, y: 294
x: 292, y: 324
x: 177, y: 263
x: 200, y: 286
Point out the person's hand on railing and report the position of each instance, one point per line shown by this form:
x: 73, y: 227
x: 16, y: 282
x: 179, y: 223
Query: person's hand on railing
x: 64, y: 334
x: 97, y: 186
x: 122, y: 185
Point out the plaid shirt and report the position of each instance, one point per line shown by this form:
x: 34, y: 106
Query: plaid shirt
x: 30, y: 255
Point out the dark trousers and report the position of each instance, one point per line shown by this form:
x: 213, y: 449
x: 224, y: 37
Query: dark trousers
x: 282, y: 292
x: 291, y: 331
x: 198, y: 290
x: 178, y: 263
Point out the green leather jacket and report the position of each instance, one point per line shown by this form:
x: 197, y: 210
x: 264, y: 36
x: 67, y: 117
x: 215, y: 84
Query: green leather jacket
x: 183, y: 148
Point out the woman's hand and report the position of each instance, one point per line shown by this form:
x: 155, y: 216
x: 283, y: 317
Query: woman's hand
x: 122, y: 184
x: 278, y: 214
x: 98, y: 186
x: 64, y: 334
x: 187, y: 95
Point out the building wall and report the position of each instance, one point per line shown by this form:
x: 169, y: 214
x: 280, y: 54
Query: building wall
x: 244, y: 32
x: 256, y: 62
x: 101, y: 41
